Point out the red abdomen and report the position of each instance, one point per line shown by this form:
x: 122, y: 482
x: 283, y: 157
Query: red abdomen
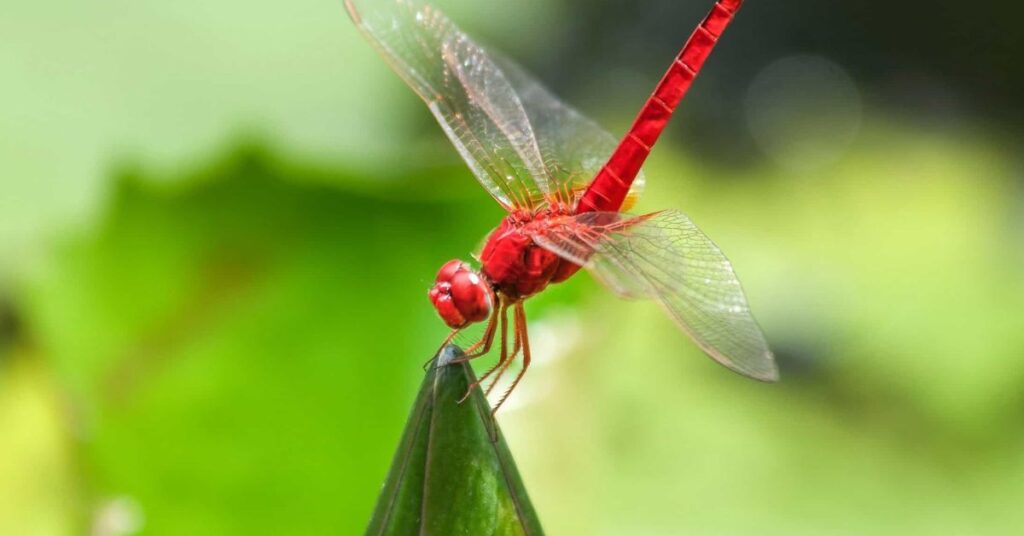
x: 515, y: 265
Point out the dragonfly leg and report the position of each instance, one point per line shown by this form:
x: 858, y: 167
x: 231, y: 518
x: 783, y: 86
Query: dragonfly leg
x: 516, y: 347
x: 483, y: 346
x: 520, y: 327
x: 447, y: 341
x: 503, y: 365
x: 502, y: 359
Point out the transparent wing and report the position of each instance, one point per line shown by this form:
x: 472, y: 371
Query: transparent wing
x: 573, y: 147
x: 666, y: 257
x: 467, y: 93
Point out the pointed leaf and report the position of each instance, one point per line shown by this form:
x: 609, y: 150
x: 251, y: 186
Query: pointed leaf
x: 453, y: 473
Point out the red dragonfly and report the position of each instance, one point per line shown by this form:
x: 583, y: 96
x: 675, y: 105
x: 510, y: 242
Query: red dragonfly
x: 563, y: 182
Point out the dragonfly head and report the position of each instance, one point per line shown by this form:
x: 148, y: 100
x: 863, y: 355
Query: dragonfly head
x: 460, y: 295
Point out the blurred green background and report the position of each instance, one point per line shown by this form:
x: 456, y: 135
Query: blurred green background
x: 218, y: 222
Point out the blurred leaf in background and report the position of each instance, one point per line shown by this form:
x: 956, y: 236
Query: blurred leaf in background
x: 229, y: 342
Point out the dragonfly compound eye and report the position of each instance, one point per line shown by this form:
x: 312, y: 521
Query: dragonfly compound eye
x: 472, y: 296
x: 460, y: 295
x: 450, y: 268
x: 442, y: 301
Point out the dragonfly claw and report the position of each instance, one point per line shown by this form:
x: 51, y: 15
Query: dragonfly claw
x: 469, y: 391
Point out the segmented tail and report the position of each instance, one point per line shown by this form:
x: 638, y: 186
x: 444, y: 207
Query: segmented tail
x: 609, y: 188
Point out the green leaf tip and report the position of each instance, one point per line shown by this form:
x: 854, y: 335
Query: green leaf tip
x: 453, y: 473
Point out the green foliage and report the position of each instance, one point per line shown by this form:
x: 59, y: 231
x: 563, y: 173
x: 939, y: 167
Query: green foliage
x: 229, y: 342
x: 453, y: 473
x: 229, y: 349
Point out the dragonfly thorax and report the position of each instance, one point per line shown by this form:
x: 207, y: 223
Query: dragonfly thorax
x: 517, y: 266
